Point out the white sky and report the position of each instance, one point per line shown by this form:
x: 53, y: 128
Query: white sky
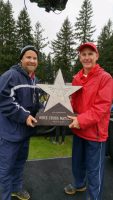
x: 51, y: 22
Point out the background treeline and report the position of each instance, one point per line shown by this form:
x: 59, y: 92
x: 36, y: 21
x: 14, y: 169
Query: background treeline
x: 15, y: 34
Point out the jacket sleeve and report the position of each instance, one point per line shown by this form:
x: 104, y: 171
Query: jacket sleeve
x: 9, y: 107
x: 101, y: 106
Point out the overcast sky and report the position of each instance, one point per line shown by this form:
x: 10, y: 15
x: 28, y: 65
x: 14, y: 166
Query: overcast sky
x: 51, y: 22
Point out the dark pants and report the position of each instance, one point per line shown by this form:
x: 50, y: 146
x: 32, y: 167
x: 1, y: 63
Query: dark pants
x: 13, y: 156
x: 88, y: 166
x: 60, y: 132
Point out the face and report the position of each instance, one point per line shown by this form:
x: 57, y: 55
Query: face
x: 29, y: 61
x: 88, y: 58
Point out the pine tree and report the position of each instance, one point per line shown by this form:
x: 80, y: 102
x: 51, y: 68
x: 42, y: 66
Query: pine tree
x: 1, y: 34
x: 105, y: 40
x: 105, y: 35
x: 40, y: 43
x: 1, y: 23
x: 63, y: 50
x: 49, y: 69
x: 83, y: 26
x: 39, y: 40
x: 41, y: 71
x: 45, y: 72
x: 24, y: 29
x: 7, y: 36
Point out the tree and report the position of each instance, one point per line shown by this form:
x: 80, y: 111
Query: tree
x: 105, y: 35
x: 63, y: 50
x: 7, y: 36
x: 83, y: 26
x: 1, y: 34
x: 1, y: 23
x: 40, y: 43
x: 24, y: 29
x: 41, y: 71
x: 45, y: 72
x: 39, y: 40
x: 49, y: 70
x: 105, y: 40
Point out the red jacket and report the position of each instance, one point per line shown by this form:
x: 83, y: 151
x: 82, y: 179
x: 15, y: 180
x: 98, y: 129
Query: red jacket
x: 92, y: 104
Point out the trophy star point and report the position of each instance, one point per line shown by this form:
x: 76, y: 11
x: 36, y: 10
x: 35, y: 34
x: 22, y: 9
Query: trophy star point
x: 59, y: 92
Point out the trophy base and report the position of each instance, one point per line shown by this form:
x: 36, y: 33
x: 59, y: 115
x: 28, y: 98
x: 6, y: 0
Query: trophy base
x: 56, y: 116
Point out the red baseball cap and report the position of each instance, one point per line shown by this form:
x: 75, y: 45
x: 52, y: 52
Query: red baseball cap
x: 88, y: 44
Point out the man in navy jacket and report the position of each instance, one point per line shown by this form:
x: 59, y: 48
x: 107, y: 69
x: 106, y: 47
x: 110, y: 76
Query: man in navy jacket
x: 19, y: 103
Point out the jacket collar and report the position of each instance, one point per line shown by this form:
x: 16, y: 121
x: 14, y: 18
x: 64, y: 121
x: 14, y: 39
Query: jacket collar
x: 94, y: 72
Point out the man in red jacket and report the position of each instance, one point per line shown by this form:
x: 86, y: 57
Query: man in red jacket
x: 92, y: 104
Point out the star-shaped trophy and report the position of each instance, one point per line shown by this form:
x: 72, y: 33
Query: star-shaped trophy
x: 58, y: 106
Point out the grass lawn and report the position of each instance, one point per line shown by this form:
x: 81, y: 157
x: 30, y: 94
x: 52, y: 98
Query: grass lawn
x: 41, y: 148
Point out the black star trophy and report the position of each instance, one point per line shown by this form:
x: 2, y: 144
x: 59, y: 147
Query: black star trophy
x: 58, y: 106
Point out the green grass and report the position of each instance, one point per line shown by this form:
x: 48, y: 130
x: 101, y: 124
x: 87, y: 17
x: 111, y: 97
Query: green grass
x: 41, y: 148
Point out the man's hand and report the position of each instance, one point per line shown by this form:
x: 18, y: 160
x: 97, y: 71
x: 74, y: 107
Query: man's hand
x: 30, y: 121
x: 74, y: 123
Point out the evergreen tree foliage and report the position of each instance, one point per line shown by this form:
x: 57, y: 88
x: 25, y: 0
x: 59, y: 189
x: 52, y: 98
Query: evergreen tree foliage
x: 7, y: 36
x: 14, y: 36
x: 45, y: 72
x: 105, y: 41
x: 40, y: 43
x: 1, y: 35
x: 105, y: 35
x: 106, y: 56
x: 39, y: 40
x: 49, y: 70
x: 83, y: 26
x: 24, y: 30
x: 41, y: 71
x: 63, y: 50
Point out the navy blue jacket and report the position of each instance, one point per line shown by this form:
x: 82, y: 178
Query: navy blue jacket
x: 18, y: 99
